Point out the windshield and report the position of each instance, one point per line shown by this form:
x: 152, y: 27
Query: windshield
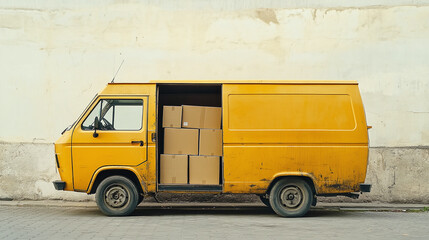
x: 72, y: 125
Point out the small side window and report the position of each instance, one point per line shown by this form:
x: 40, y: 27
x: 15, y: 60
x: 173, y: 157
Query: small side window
x: 116, y: 114
x: 88, y: 124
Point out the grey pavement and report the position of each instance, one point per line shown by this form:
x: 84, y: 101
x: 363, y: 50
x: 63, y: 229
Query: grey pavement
x: 82, y: 220
x: 358, y: 206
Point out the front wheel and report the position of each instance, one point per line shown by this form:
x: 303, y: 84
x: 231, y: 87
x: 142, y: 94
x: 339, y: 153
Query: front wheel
x: 291, y: 197
x: 117, y: 196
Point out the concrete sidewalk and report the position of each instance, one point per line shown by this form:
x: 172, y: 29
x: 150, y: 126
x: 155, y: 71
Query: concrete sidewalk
x: 46, y: 220
x: 339, y: 206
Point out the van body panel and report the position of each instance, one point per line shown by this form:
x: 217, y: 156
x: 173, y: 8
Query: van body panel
x: 317, y: 130
x: 136, y: 170
x: 273, y: 113
x: 63, y: 156
x: 334, y: 169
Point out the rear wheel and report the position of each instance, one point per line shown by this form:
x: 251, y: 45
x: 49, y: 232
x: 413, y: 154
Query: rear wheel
x: 291, y: 197
x: 117, y: 196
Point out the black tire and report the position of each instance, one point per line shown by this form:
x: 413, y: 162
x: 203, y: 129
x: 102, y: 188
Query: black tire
x: 140, y: 199
x: 291, y: 197
x: 117, y: 196
x: 265, y: 201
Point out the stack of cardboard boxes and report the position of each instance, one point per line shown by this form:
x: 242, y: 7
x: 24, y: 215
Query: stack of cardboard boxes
x: 192, y: 145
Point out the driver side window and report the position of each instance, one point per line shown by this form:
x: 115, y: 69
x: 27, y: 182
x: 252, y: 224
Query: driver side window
x: 116, y: 114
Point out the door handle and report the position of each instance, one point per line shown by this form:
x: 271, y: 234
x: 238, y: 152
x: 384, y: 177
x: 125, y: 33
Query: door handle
x: 141, y: 142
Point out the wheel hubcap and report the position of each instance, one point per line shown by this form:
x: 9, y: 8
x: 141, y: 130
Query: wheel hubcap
x: 116, y: 196
x: 291, y: 197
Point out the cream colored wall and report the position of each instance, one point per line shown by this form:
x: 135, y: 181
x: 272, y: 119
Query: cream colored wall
x: 54, y: 57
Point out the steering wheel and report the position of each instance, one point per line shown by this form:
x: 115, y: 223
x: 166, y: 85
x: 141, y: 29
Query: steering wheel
x: 106, y: 124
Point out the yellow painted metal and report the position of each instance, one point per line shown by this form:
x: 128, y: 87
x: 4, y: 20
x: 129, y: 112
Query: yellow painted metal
x: 318, y: 131
x: 136, y: 171
x: 80, y: 165
x: 313, y: 129
x: 63, y: 152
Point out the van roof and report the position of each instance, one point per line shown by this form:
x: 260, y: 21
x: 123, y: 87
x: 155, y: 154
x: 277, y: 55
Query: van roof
x: 330, y: 82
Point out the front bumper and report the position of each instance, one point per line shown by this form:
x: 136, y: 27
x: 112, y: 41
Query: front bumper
x: 59, y: 185
x: 365, y: 187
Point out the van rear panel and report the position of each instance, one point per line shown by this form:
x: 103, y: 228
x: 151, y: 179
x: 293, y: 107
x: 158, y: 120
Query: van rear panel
x: 271, y: 130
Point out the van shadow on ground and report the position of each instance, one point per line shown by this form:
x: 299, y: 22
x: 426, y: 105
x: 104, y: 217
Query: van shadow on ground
x: 249, y: 211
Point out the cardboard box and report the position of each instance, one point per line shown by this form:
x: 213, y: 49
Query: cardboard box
x: 210, y: 142
x: 172, y: 116
x: 204, y: 170
x: 174, y: 169
x: 181, y: 141
x: 201, y: 117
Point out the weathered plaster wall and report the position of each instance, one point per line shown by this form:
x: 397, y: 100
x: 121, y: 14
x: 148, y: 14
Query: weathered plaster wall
x: 55, y: 56
x: 27, y: 171
x: 399, y: 174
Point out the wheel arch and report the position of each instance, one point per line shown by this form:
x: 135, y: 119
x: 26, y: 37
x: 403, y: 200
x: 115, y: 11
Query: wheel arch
x: 305, y: 176
x: 127, y: 172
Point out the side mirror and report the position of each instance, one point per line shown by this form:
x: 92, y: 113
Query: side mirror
x: 96, y: 126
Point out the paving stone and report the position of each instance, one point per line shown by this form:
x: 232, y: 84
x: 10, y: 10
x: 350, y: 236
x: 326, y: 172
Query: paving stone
x: 48, y: 222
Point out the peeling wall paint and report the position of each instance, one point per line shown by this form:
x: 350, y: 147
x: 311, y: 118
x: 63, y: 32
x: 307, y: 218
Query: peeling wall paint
x: 54, y: 57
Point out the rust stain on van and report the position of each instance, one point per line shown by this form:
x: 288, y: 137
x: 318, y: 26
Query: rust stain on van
x: 340, y: 186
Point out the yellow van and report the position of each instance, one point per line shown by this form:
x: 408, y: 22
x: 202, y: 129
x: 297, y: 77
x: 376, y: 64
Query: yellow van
x: 286, y: 141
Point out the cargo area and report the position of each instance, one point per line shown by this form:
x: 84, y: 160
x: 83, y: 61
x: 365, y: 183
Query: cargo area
x: 189, y: 137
